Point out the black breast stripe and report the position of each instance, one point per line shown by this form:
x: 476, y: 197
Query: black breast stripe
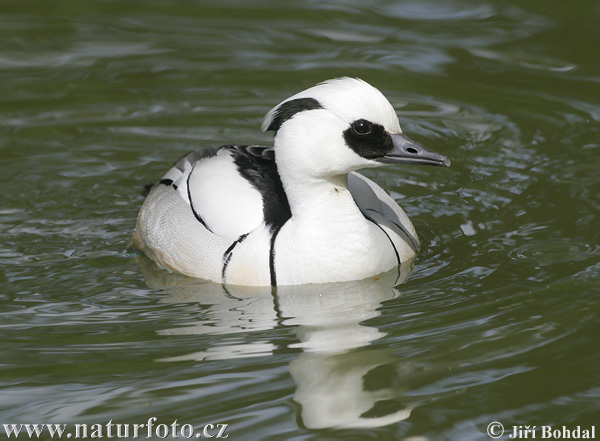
x: 388, y: 236
x: 229, y: 252
x: 257, y: 165
x: 272, y: 257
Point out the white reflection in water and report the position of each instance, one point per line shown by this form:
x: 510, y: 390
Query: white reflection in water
x: 328, y: 320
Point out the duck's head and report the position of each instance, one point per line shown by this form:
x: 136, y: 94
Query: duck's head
x: 339, y: 126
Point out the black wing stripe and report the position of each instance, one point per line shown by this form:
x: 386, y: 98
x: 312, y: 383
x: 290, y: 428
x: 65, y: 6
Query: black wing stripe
x: 196, y: 215
x: 229, y: 252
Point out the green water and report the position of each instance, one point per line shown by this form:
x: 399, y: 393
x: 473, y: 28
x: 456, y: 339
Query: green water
x: 499, y: 318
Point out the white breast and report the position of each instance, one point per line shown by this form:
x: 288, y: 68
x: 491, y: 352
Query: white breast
x: 343, y: 234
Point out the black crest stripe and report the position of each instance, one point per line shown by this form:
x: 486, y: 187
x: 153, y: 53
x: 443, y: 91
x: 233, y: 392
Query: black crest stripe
x: 388, y: 236
x: 229, y: 252
x: 288, y: 109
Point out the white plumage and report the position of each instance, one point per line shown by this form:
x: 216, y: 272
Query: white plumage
x: 297, y: 213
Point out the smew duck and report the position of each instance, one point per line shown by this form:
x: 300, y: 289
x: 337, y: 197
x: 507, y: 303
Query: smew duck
x: 298, y: 212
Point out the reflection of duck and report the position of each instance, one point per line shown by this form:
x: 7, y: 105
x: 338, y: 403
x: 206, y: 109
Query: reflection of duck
x: 295, y: 214
x: 333, y: 369
x: 332, y: 390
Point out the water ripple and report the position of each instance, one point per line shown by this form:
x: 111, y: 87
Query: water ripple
x: 553, y: 251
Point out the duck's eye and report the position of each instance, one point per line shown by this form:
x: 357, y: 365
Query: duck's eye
x: 362, y: 127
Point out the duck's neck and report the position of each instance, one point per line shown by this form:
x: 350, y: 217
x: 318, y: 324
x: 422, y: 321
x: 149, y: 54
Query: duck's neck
x: 312, y: 198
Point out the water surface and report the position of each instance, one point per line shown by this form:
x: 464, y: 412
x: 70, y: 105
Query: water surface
x: 498, y: 319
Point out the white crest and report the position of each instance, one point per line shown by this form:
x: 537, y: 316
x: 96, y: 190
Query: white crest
x: 349, y: 99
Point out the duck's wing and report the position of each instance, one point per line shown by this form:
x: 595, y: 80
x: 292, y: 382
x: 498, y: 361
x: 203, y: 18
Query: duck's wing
x: 379, y: 207
x: 231, y: 190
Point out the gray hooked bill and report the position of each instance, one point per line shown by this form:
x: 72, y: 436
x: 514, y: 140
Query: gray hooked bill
x: 407, y: 151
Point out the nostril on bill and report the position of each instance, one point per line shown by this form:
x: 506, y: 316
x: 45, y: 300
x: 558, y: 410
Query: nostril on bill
x: 412, y: 150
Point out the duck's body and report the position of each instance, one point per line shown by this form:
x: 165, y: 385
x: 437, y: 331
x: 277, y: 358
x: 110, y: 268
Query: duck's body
x: 298, y: 213
x: 224, y: 216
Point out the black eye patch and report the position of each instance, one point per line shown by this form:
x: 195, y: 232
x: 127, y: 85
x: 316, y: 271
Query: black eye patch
x: 367, y: 139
